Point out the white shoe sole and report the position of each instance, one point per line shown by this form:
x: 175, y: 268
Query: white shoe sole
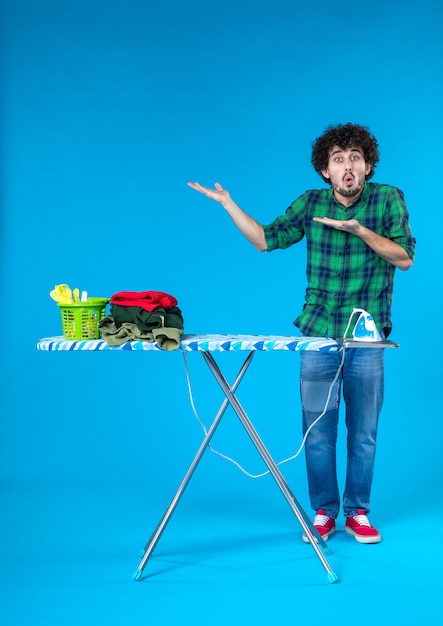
x: 362, y: 538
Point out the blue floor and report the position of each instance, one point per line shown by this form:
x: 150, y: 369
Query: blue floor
x: 236, y: 558
x: 82, y: 491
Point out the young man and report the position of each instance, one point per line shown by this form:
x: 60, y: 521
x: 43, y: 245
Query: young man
x: 357, y: 234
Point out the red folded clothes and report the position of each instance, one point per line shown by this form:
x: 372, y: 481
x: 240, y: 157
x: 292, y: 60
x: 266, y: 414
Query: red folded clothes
x: 147, y: 300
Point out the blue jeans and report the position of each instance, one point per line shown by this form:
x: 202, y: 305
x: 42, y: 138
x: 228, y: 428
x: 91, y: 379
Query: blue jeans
x: 362, y: 382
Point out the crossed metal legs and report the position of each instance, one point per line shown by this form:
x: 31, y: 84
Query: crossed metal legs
x: 230, y: 399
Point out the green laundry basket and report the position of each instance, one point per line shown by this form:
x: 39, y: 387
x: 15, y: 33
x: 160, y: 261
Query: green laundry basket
x: 80, y: 319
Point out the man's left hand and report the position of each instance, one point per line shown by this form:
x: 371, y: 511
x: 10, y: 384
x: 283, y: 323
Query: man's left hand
x: 349, y: 226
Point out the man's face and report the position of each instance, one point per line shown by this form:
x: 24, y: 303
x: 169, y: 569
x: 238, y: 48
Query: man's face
x: 347, y: 170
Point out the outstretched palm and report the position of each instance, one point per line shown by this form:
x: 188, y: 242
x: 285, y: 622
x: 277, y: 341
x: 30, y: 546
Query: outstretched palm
x: 349, y: 226
x: 218, y: 194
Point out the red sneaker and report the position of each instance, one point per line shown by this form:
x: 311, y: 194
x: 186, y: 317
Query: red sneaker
x: 359, y: 526
x: 323, y: 524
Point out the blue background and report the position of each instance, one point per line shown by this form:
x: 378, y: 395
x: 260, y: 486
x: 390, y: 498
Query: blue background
x: 108, y: 109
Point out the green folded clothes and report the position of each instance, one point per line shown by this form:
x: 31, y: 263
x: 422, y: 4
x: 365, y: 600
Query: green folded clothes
x: 167, y: 338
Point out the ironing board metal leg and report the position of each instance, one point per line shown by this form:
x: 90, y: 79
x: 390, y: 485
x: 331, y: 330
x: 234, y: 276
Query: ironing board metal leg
x: 155, y: 537
x: 313, y: 536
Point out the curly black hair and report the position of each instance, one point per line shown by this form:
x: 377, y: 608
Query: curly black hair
x: 344, y: 136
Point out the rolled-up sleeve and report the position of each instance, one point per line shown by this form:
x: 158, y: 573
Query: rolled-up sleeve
x: 396, y: 222
x: 286, y: 229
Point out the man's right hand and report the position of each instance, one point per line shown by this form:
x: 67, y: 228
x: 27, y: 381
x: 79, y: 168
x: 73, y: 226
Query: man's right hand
x: 218, y: 194
x: 251, y: 229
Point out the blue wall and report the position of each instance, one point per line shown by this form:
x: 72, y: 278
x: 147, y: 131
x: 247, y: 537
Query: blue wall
x: 108, y: 109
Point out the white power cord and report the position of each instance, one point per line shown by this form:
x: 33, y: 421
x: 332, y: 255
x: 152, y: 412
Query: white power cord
x: 291, y: 458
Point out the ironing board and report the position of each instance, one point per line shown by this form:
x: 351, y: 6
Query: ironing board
x: 208, y: 344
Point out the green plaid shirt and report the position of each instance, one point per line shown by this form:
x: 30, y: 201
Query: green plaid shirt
x: 342, y: 271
